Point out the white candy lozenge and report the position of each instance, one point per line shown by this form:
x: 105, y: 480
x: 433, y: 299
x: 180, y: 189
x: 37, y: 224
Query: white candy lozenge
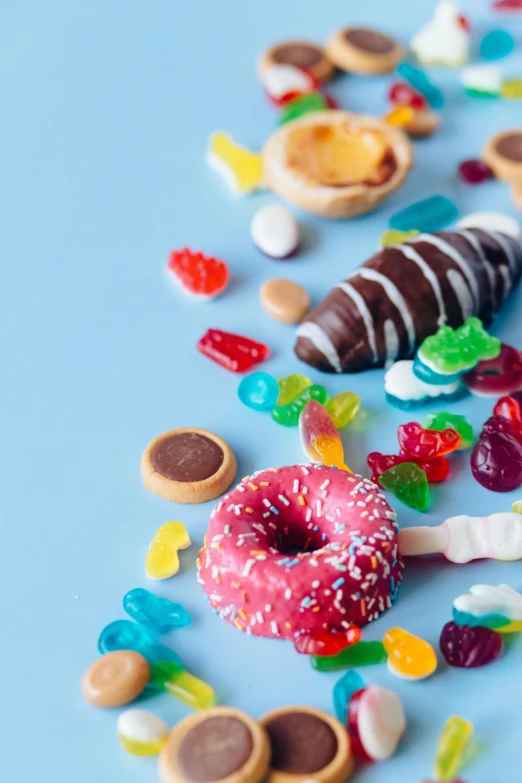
x: 275, y: 231
x: 141, y: 732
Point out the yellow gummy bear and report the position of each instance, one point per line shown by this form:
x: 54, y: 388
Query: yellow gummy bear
x: 162, y: 558
x: 409, y: 656
x: 241, y: 168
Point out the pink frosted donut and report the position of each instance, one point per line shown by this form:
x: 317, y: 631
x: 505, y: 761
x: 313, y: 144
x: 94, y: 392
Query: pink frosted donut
x: 300, y: 548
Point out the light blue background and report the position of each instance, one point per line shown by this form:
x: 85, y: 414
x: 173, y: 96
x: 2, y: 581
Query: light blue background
x: 106, y: 111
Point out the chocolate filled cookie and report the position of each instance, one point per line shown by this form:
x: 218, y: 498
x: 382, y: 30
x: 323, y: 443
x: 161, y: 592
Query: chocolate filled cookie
x: 302, y: 54
x: 503, y: 154
x: 188, y: 465
x: 364, y: 51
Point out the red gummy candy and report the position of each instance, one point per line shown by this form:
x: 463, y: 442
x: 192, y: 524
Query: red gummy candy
x: 494, y: 377
x: 326, y: 643
x: 465, y: 23
x: 202, y: 276
x: 352, y: 722
x: 496, y: 460
x: 232, y: 351
x: 468, y: 647
x: 427, y: 445
x: 436, y: 470
x: 507, y: 5
x: 509, y: 408
x: 474, y: 172
x: 403, y: 95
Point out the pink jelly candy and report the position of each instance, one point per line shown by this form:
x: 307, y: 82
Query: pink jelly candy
x: 496, y: 460
x: 468, y: 647
x: 474, y: 172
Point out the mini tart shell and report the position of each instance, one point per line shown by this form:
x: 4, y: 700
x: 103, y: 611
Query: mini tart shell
x: 516, y: 194
x: 503, y: 167
x: 349, y: 57
x: 323, y: 70
x: 253, y: 771
x: 189, y: 491
x: 325, y: 200
x: 340, y: 767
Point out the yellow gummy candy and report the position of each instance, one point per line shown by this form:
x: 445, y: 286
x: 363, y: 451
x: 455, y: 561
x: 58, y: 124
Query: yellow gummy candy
x: 394, y: 237
x: 400, y: 117
x: 162, y: 558
x: 242, y: 169
x: 409, y: 656
x: 516, y: 508
x: 343, y: 408
x: 512, y: 89
x: 329, y: 450
x: 455, y: 736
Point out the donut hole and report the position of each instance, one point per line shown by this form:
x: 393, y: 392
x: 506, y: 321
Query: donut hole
x: 291, y: 539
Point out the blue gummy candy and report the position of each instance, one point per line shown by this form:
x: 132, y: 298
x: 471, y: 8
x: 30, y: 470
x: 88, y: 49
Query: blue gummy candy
x: 429, y: 376
x: 420, y: 82
x: 431, y: 214
x: 496, y: 45
x: 485, y: 620
x: 258, y: 391
x: 406, y: 405
x: 126, y: 635
x: 343, y: 692
x: 160, y: 614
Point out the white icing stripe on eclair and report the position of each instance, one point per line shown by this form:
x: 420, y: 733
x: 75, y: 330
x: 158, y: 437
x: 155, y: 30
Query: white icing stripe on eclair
x: 461, y: 292
x: 490, y: 271
x: 508, y: 251
x: 362, y: 309
x: 322, y: 342
x: 394, y: 295
x: 506, y: 277
x: 455, y: 256
x: 391, y: 340
x: 430, y: 276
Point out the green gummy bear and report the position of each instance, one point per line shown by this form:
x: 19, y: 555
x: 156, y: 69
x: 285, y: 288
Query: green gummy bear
x: 360, y: 654
x: 444, y: 419
x: 409, y: 484
x: 290, y: 387
x: 458, y: 350
x: 312, y: 101
x: 288, y: 415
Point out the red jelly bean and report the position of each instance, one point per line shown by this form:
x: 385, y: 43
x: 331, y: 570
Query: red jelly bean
x: 468, y: 647
x: 474, y: 172
x: 232, y: 351
x: 427, y: 444
x: 509, y: 408
x: 324, y: 643
x: 496, y: 460
x: 403, y: 95
x: 436, y: 470
x: 202, y: 276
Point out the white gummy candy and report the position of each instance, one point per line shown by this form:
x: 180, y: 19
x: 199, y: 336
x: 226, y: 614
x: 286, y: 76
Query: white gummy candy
x: 380, y: 722
x: 443, y: 41
x: 400, y: 381
x: 487, y: 599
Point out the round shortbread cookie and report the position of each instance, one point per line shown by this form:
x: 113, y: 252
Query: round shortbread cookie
x: 364, y: 51
x: 302, y: 54
x: 503, y: 154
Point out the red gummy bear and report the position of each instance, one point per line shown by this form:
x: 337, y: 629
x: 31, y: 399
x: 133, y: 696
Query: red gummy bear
x: 436, y: 470
x: 403, y: 95
x: 427, y: 445
x: 510, y: 408
x: 202, y: 276
x: 321, y: 642
x: 232, y: 351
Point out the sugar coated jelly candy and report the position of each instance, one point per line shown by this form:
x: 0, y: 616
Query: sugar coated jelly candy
x: 512, y: 89
x: 468, y: 647
x: 451, y: 747
x: 436, y: 470
x: 258, y: 391
x: 404, y: 95
x: 240, y: 168
x: 474, y: 172
x: 201, y: 276
x: 427, y: 444
x: 444, y: 419
x: 291, y: 387
x: 496, y: 45
x: 321, y: 642
x: 392, y: 237
x: 409, y: 656
x: 409, y: 484
x: 343, y: 692
x: 343, y: 408
x: 301, y: 105
x: 420, y: 82
x: 141, y: 732
x: 162, y: 560
x: 499, y: 608
x: 319, y: 437
x: 157, y: 613
x: 360, y: 654
x: 288, y: 415
x: 428, y: 215
x: 376, y: 722
x: 232, y: 351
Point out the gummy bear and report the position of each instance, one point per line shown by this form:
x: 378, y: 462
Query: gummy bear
x: 258, y: 391
x: 404, y: 95
x: 391, y: 237
x: 409, y: 484
x: 444, y: 419
x: 499, y: 608
x: 450, y: 352
x: 496, y: 45
x: 431, y: 214
x: 319, y: 437
x: 409, y: 656
x: 343, y: 691
x: 321, y: 642
x: 360, y: 654
x: 291, y: 387
x: 288, y: 415
x: 436, y: 470
x: 496, y: 460
x: 303, y: 104
x: 376, y: 722
x: 451, y: 747
x: 343, y: 408
x: 426, y: 445
x: 160, y: 614
x: 241, y: 168
x: 162, y: 558
x: 232, y: 351
x: 420, y: 82
x: 509, y: 408
x: 474, y: 172
x: 468, y: 647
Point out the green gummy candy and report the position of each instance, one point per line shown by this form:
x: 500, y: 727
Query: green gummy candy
x: 290, y: 387
x: 409, y: 484
x: 313, y: 101
x: 359, y: 654
x: 288, y: 415
x: 444, y: 420
x: 458, y: 350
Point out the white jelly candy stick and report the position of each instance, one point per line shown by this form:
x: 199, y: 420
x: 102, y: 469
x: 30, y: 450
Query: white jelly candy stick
x: 463, y: 538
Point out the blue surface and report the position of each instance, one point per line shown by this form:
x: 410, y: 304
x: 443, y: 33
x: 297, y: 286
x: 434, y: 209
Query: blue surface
x: 106, y: 111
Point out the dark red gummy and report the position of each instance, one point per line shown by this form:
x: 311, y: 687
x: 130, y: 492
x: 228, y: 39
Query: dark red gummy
x: 232, y: 351
x: 352, y: 713
x: 425, y: 444
x: 496, y: 460
x: 436, y: 470
x: 474, y: 172
x: 403, y: 95
x: 469, y: 647
x: 320, y: 642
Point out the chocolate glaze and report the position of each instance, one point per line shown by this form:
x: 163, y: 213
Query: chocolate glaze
x: 301, y: 743
x: 214, y: 749
x: 302, y: 55
x: 369, y: 41
x: 187, y: 456
x: 510, y: 147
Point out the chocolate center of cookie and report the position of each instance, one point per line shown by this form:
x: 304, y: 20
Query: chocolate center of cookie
x: 302, y: 55
x: 369, y: 40
x: 187, y: 456
x: 214, y: 749
x: 301, y: 743
x: 510, y: 146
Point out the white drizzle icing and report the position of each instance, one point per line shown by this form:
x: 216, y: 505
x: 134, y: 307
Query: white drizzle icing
x: 508, y: 252
x: 322, y: 342
x: 477, y: 247
x: 461, y: 292
x: 506, y: 277
x: 430, y: 276
x: 391, y: 340
x: 455, y: 256
x: 394, y: 295
x: 365, y: 314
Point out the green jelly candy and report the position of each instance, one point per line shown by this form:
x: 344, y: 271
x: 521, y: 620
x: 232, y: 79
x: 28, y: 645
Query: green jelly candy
x: 393, y: 237
x: 290, y: 387
x: 359, y: 654
x: 459, y: 350
x: 343, y: 408
x: 444, y: 419
x: 409, y: 484
x: 303, y: 104
x: 288, y: 415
